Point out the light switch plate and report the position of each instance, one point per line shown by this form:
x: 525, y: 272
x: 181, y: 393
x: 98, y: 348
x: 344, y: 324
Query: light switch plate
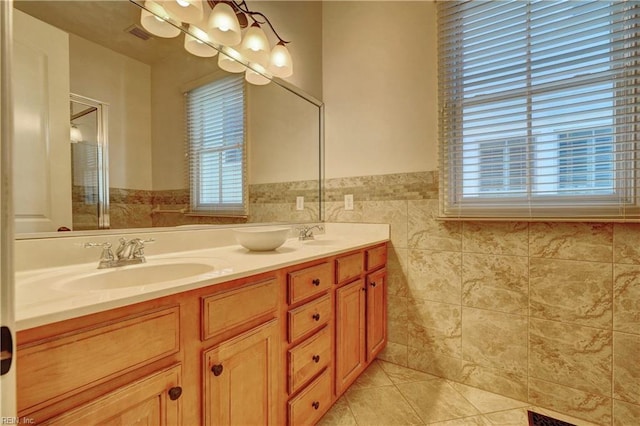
x: 348, y: 202
x: 299, y: 203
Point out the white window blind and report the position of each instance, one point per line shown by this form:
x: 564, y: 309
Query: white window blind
x: 539, y: 115
x: 216, y: 147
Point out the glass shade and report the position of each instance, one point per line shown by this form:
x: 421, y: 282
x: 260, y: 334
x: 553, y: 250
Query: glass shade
x: 227, y: 61
x: 195, y: 46
x: 281, y: 64
x: 255, y: 78
x: 189, y: 11
x: 155, y: 21
x: 223, y: 25
x: 255, y: 46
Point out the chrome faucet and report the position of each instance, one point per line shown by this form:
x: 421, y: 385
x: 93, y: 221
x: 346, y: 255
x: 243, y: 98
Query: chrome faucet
x: 129, y: 252
x: 306, y: 232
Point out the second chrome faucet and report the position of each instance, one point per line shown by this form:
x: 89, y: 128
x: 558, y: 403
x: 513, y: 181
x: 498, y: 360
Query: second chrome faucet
x: 129, y: 252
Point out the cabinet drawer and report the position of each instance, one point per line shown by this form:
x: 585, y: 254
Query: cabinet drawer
x: 308, y: 317
x: 349, y: 267
x: 73, y: 362
x: 309, y: 282
x: 308, y: 358
x: 227, y: 310
x: 313, y: 402
x: 376, y: 257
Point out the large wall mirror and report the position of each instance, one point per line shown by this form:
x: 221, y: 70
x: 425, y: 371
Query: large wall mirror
x: 98, y: 50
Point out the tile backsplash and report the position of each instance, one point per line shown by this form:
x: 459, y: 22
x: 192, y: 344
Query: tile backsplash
x: 544, y: 312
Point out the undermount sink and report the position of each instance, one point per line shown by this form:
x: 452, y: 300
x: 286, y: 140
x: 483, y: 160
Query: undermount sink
x: 322, y: 242
x: 134, y: 276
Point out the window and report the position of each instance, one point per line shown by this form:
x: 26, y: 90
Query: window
x: 538, y: 109
x: 216, y: 147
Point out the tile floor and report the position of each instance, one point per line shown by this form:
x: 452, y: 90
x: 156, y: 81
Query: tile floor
x: 387, y: 394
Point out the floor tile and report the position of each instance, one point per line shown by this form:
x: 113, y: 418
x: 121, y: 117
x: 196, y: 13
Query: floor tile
x: 400, y: 374
x: 372, y: 377
x: 515, y: 417
x: 487, y: 402
x: 436, y: 401
x: 382, y: 406
x: 465, y: 421
x: 339, y: 415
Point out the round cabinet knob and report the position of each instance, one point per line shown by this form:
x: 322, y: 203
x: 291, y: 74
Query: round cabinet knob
x: 316, y: 281
x: 217, y: 369
x: 315, y: 404
x: 373, y: 284
x: 316, y: 317
x: 316, y: 358
x: 174, y: 393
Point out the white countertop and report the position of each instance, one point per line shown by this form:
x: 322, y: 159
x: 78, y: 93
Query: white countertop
x: 42, y: 299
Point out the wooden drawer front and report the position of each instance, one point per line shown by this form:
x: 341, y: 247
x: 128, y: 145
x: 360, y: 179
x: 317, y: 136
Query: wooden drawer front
x: 308, y: 317
x: 89, y: 357
x: 309, y: 282
x: 376, y: 257
x: 230, y: 309
x: 308, y: 358
x: 349, y: 267
x: 313, y: 402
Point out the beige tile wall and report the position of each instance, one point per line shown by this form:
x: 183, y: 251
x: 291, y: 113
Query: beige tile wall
x: 543, y: 312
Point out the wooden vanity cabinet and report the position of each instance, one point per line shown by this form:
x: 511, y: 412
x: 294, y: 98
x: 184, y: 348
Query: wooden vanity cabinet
x: 361, y: 314
x: 270, y: 349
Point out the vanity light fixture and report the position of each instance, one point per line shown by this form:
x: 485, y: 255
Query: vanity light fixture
x: 219, y: 24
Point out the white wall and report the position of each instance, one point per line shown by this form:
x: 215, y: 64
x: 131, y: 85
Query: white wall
x: 125, y: 84
x: 379, y: 87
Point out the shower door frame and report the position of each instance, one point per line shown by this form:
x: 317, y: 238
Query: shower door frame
x: 102, y: 138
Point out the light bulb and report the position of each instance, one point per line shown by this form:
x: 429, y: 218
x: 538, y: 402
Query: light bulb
x: 76, y: 134
x: 281, y: 64
x: 189, y: 11
x: 223, y: 25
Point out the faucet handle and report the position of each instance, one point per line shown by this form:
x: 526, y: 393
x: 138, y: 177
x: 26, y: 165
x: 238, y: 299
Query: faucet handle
x: 106, y: 257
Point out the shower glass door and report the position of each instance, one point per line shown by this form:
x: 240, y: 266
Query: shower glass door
x: 89, y: 167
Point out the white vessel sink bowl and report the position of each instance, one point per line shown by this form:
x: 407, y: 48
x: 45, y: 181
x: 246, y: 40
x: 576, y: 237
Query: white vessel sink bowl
x: 261, y: 238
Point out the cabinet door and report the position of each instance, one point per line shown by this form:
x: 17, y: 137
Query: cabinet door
x: 376, y: 313
x: 154, y: 400
x: 350, y: 334
x: 241, y: 378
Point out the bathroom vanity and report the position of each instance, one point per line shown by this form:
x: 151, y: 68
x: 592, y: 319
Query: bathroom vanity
x: 276, y: 345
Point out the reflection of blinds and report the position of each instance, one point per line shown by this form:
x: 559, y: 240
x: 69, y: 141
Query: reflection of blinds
x: 539, y: 109
x: 216, y: 147
x: 85, y: 170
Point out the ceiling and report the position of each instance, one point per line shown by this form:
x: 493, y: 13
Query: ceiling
x: 103, y: 22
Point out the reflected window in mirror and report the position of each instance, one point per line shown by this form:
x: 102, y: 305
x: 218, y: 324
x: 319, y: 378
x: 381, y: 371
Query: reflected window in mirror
x: 216, y: 147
